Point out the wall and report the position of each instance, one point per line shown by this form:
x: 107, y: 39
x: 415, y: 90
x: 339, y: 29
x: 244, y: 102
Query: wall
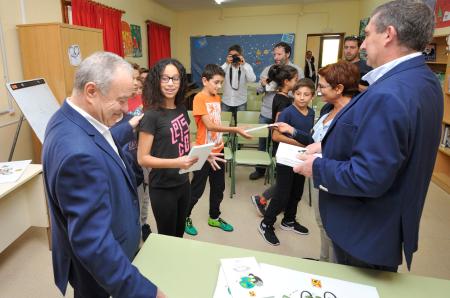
x: 137, y: 12
x: 14, y: 12
x: 300, y: 19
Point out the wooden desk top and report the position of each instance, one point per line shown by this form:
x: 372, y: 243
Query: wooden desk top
x: 31, y: 171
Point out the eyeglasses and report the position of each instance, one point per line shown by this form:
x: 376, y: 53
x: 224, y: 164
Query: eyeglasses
x: 166, y: 79
x: 320, y: 86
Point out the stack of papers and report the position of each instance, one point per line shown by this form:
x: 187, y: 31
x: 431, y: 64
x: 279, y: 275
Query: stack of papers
x: 287, y: 154
x: 11, y: 171
x: 244, y: 277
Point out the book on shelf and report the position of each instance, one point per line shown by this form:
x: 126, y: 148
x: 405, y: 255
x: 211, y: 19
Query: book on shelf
x: 445, y: 138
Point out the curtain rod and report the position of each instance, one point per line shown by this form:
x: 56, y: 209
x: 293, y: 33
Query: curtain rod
x: 69, y: 2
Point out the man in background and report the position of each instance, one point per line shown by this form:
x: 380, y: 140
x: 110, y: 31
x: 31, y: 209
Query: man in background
x: 379, y: 151
x: 281, y: 54
x: 90, y: 185
x: 310, y: 68
x: 352, y: 55
x: 237, y: 74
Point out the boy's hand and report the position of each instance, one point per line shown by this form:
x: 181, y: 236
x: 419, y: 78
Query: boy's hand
x: 213, y: 158
x: 242, y: 132
x: 134, y: 122
x: 185, y: 162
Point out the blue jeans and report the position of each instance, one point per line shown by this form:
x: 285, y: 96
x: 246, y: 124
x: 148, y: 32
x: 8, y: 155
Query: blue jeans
x: 234, y: 109
x: 262, y: 141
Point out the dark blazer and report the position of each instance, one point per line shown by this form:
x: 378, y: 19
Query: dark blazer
x: 313, y: 69
x: 94, y: 208
x: 378, y: 157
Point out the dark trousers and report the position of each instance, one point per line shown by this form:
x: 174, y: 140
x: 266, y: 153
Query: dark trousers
x: 344, y: 258
x: 83, y: 284
x: 170, y: 207
x: 263, y: 141
x: 288, y: 192
x: 216, y: 188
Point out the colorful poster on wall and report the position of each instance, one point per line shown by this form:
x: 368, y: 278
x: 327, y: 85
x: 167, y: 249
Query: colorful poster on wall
x: 442, y: 13
x: 127, y: 40
x: 137, y: 40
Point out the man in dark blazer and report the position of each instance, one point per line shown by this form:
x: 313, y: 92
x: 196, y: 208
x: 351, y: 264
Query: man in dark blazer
x: 379, y: 152
x: 310, y: 68
x: 91, y: 188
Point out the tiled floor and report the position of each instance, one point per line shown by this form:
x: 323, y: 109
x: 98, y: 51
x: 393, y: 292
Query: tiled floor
x: 26, y: 270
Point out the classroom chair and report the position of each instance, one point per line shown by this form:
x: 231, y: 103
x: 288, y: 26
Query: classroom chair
x: 192, y: 127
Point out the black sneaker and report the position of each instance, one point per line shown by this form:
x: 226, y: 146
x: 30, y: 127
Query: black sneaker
x: 260, y: 208
x: 256, y: 175
x: 294, y: 227
x: 146, y: 231
x: 268, y: 234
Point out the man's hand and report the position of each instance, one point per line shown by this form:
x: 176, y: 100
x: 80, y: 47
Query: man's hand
x: 134, y: 122
x: 305, y: 168
x: 213, y: 158
x: 185, y: 162
x: 242, y: 60
x: 263, y: 82
x: 284, y: 128
x: 160, y: 294
x: 314, y: 148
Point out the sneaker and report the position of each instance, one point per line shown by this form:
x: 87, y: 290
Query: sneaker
x: 294, y: 227
x: 146, y: 231
x: 256, y: 175
x: 189, y: 227
x: 220, y: 223
x: 268, y: 233
x: 260, y: 207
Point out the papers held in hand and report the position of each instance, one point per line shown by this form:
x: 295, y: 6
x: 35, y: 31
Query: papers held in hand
x: 201, y: 152
x: 287, y: 154
x: 260, y: 127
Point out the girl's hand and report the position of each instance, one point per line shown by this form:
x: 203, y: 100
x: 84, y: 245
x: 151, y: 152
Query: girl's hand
x: 213, y: 158
x: 185, y: 162
x: 284, y: 128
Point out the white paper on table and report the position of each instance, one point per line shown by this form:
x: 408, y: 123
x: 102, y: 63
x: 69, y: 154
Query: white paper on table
x: 11, y: 171
x: 244, y: 278
x: 291, y: 283
x: 222, y: 289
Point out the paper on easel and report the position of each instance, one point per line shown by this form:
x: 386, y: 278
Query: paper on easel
x: 244, y: 278
x: 12, y: 171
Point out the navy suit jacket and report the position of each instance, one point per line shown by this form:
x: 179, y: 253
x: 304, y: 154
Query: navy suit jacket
x: 94, y: 207
x: 378, y: 157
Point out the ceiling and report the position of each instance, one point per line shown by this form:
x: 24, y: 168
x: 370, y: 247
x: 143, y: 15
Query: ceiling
x: 182, y: 5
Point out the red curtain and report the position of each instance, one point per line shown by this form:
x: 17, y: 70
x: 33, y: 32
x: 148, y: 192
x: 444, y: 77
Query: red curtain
x: 90, y: 14
x: 158, y: 42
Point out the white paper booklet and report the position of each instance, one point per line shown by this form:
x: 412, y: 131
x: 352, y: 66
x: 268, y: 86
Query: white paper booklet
x: 11, y: 171
x: 291, y: 283
x: 244, y: 278
x: 287, y: 154
x: 222, y: 290
x: 200, y: 151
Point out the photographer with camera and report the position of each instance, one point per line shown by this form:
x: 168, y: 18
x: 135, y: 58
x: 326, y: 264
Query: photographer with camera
x: 237, y: 74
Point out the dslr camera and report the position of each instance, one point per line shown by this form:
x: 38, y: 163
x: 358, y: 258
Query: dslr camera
x: 236, y: 59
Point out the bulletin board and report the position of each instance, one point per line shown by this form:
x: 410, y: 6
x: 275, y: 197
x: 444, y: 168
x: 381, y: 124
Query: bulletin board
x: 257, y: 50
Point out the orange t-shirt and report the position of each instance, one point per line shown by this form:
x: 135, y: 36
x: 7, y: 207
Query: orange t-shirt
x: 205, y: 104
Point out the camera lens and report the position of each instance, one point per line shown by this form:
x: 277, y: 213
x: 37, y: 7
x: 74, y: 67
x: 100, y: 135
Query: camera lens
x: 236, y: 59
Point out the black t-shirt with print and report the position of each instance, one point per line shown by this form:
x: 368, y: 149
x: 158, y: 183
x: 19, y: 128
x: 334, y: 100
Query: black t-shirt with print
x: 280, y: 102
x: 170, y: 128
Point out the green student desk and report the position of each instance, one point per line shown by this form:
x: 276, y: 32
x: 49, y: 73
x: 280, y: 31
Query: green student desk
x: 185, y: 268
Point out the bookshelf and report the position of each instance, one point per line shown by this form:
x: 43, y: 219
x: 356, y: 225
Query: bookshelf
x: 441, y: 173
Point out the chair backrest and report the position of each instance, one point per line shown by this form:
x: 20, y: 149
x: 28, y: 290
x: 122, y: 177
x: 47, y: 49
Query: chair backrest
x: 254, y: 101
x: 192, y: 125
x: 250, y: 117
x: 226, y: 116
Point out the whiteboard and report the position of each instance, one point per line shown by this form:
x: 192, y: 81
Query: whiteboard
x: 36, y: 101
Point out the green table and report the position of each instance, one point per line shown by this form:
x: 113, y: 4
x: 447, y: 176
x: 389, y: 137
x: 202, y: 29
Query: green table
x: 185, y: 268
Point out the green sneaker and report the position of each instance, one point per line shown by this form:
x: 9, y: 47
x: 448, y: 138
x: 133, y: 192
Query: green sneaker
x: 220, y: 223
x: 189, y: 227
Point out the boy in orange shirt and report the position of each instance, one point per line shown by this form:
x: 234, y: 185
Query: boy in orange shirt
x: 206, y: 110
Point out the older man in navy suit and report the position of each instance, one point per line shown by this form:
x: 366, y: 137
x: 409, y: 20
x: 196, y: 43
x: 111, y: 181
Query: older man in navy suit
x: 379, y: 152
x: 91, y: 188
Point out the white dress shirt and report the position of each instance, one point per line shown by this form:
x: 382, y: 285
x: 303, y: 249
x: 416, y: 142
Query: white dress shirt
x: 232, y: 97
